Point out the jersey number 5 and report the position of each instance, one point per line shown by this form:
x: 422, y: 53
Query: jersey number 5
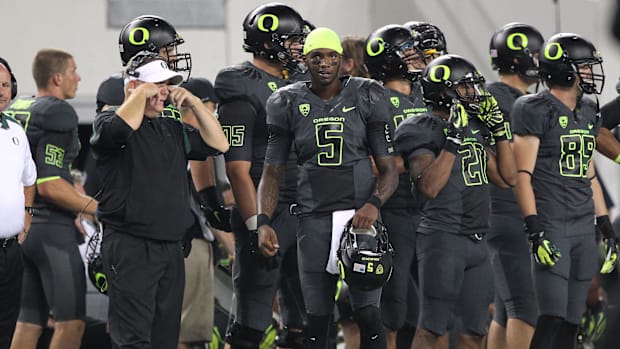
x: 329, y: 140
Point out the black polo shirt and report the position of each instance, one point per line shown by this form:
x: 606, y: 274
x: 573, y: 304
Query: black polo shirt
x: 145, y: 189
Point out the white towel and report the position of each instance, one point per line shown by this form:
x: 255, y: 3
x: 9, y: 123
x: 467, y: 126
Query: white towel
x: 339, y: 220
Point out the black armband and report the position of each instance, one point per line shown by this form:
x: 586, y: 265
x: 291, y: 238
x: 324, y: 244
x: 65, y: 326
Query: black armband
x: 262, y: 219
x: 525, y: 171
x: 603, y: 224
x: 208, y: 197
x: 375, y: 201
x: 532, y: 225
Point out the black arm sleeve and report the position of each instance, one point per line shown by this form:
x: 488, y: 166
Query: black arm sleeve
x: 379, y: 139
x: 278, y: 146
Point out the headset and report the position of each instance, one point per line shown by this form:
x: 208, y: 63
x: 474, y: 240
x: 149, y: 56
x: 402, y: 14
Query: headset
x: 13, y: 80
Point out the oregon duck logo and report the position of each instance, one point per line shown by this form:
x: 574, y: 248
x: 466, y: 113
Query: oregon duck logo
x: 144, y: 33
x: 516, y: 45
x: 563, y: 120
x: 395, y: 101
x: 304, y: 109
x: 275, y: 21
x: 375, y: 47
x: 272, y: 85
x: 554, y: 51
x: 439, y: 73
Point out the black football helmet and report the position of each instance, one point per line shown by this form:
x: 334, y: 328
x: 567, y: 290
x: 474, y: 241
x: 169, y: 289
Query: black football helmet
x: 386, y: 52
x: 563, y: 54
x: 96, y: 273
x: 152, y: 33
x: 452, y: 77
x: 266, y: 30
x: 429, y: 39
x: 365, y: 257
x: 513, y: 48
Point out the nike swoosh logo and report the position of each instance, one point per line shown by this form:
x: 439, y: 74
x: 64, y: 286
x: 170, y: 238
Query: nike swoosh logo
x: 590, y: 126
x: 346, y: 110
x: 475, y: 131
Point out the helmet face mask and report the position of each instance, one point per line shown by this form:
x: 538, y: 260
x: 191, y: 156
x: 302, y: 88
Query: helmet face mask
x: 390, y: 54
x: 276, y: 32
x: 430, y: 40
x: 514, y: 48
x: 154, y: 34
x: 567, y: 58
x: 451, y: 77
x: 365, y: 257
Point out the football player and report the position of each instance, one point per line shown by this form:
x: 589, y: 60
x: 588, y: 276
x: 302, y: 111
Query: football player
x: 336, y: 124
x: 448, y: 155
x: 54, y: 279
x: 557, y: 189
x: 273, y: 34
x: 388, y: 55
x: 514, y: 53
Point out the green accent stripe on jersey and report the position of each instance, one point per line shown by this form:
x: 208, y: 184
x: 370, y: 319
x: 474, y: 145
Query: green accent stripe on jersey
x: 47, y: 179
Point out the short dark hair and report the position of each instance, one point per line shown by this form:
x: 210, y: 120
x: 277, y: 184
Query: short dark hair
x: 47, y: 62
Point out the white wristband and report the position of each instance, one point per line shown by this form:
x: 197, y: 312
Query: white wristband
x: 251, y: 222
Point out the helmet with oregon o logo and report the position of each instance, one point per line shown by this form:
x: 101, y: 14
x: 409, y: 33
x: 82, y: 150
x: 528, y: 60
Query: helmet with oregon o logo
x: 561, y: 58
x: 152, y: 33
x: 365, y: 257
x: 385, y: 52
x: 514, y: 47
x: 452, y: 77
x: 268, y: 28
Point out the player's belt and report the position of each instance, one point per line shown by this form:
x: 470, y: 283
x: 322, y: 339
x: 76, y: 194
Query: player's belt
x: 4, y: 243
x: 293, y: 209
x: 476, y: 236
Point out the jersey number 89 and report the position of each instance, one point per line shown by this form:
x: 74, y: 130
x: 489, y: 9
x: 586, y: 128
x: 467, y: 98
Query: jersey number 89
x: 576, y: 154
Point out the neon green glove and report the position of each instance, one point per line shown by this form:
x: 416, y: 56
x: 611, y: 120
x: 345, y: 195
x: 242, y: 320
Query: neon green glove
x: 544, y: 251
x: 493, y: 118
x: 603, y: 224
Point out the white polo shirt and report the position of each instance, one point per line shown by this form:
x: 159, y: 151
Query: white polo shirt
x: 18, y: 170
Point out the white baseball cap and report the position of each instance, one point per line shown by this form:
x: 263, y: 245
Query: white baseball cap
x: 157, y: 71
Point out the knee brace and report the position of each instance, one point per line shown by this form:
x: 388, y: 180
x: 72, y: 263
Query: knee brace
x: 547, y: 328
x: 242, y: 337
x: 372, y: 334
x: 317, y: 331
x: 290, y: 339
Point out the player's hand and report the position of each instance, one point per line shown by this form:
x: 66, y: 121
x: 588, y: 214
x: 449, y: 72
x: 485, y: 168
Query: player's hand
x: 457, y: 123
x: 218, y: 217
x: 267, y: 241
x: 544, y: 251
x: 611, y: 255
x: 491, y: 115
x: 593, y: 323
x: 365, y: 217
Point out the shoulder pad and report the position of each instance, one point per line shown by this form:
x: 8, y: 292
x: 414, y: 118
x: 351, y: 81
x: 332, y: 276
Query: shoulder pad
x: 422, y: 131
x: 53, y: 114
x: 230, y: 82
x: 201, y: 88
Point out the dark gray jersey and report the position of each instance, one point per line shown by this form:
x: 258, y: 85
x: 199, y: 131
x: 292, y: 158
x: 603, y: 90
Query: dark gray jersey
x: 402, y: 108
x: 503, y: 201
x: 567, y: 143
x: 243, y: 91
x: 462, y: 206
x: 331, y: 140
x: 51, y: 125
x: 610, y: 113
